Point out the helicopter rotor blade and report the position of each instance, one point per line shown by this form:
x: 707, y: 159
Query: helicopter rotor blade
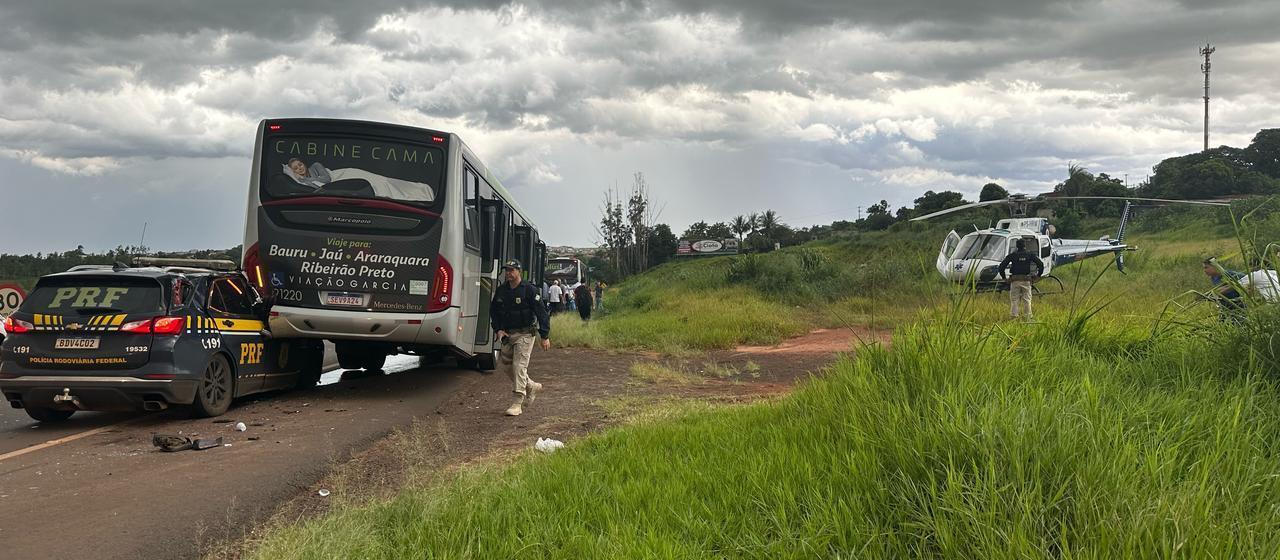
x: 961, y: 207
x: 1198, y: 202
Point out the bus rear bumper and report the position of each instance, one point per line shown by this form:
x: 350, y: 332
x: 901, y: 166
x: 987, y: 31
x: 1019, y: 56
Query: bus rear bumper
x: 406, y: 328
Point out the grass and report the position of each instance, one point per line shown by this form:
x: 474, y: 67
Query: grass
x: 961, y: 441
x: 1127, y: 423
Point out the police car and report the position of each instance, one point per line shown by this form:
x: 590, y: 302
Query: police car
x: 149, y: 337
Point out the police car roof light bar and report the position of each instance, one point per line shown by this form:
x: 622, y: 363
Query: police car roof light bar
x: 207, y: 264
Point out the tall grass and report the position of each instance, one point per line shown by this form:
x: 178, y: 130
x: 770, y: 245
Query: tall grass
x: 959, y: 442
x: 1135, y: 426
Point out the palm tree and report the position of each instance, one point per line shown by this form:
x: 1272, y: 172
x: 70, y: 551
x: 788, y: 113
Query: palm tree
x: 753, y: 222
x: 740, y: 226
x: 768, y: 222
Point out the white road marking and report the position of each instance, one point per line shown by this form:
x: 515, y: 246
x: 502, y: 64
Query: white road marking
x: 66, y: 439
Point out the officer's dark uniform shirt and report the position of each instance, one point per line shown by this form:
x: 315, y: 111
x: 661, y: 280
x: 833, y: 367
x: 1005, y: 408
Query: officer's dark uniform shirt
x: 519, y: 308
x: 1019, y: 263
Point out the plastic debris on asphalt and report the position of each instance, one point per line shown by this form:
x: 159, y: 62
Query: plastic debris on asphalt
x: 240, y: 427
x: 323, y: 493
x: 548, y: 445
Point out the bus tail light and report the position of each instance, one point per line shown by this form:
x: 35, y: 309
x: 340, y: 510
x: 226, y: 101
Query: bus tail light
x: 15, y: 326
x: 253, y: 269
x: 441, y: 292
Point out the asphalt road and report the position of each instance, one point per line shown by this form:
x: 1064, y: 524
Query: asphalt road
x: 105, y: 492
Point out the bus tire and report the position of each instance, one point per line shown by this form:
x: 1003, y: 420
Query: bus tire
x: 312, y: 366
x: 373, y: 359
x: 486, y: 362
x: 350, y: 356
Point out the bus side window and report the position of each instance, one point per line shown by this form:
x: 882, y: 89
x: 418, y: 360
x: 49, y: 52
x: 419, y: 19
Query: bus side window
x: 471, y: 214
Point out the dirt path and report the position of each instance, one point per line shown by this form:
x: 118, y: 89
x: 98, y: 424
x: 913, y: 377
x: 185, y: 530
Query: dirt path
x: 584, y: 391
x: 109, y: 494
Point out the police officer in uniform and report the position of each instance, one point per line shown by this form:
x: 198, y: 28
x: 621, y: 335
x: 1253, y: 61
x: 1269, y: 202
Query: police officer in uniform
x: 517, y: 314
x: 1020, y: 263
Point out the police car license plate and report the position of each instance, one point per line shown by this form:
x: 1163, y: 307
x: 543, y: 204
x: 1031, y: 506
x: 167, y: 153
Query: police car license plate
x: 76, y: 343
x: 344, y: 299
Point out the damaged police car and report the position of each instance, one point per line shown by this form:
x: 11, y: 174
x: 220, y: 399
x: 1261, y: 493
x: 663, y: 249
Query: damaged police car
x: 169, y: 332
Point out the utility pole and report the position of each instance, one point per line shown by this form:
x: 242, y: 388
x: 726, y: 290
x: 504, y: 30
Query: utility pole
x: 1206, y: 51
x: 859, y: 212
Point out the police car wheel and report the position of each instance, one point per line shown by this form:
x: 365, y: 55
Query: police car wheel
x: 49, y: 415
x: 213, y: 395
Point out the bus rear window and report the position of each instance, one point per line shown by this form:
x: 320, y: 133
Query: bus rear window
x: 351, y: 167
x: 90, y: 295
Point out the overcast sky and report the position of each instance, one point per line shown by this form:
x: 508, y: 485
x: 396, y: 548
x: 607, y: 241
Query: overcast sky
x: 118, y: 112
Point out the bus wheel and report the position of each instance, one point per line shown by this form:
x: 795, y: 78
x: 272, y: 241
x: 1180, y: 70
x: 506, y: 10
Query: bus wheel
x: 487, y: 362
x: 311, y: 367
x: 350, y: 356
x: 373, y: 359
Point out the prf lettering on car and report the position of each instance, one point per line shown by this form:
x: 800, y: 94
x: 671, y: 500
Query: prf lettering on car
x: 251, y: 353
x: 83, y: 296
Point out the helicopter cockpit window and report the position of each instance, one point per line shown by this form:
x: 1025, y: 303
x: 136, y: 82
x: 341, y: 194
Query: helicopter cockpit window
x: 989, y: 247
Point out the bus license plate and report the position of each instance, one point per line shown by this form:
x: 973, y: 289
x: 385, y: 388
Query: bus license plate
x: 344, y: 299
x: 76, y: 343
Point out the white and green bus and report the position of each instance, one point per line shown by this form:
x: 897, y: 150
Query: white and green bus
x: 381, y: 238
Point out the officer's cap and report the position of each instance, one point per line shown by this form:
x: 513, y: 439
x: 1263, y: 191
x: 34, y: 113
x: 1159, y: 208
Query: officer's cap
x: 511, y: 264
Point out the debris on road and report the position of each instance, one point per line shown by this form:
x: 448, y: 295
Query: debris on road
x: 323, y: 493
x: 170, y: 443
x: 548, y: 445
x: 240, y: 427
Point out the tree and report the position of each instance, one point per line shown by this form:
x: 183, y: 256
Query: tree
x: 696, y: 231
x: 878, y: 217
x: 719, y: 231
x: 931, y: 201
x: 662, y: 244
x: 740, y: 226
x: 1263, y: 153
x: 992, y: 191
x: 768, y: 222
x: 754, y: 222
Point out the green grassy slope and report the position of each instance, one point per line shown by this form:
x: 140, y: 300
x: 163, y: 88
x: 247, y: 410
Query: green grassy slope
x: 1128, y: 423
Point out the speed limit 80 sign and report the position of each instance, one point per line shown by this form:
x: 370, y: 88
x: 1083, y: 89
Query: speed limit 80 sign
x: 11, y: 296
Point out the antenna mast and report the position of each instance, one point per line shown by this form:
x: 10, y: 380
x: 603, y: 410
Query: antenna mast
x: 1206, y: 51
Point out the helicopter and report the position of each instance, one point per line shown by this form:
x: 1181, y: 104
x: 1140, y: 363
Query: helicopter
x: 975, y: 258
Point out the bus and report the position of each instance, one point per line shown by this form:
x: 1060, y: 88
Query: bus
x: 568, y: 270
x: 383, y: 239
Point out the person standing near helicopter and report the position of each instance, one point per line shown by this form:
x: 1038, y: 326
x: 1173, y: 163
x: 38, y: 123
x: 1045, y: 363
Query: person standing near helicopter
x: 1020, y: 263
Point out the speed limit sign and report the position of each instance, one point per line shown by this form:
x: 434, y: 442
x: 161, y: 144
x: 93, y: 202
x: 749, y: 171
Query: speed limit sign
x: 11, y: 296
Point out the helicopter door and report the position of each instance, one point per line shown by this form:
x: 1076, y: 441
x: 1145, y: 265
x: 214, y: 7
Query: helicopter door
x: 948, y: 248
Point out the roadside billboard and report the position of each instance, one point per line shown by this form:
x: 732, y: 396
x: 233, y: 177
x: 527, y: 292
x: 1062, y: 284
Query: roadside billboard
x: 701, y: 247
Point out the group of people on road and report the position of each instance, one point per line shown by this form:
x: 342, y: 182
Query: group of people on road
x: 579, y: 297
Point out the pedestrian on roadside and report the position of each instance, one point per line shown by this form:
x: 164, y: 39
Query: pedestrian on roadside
x: 1020, y: 263
x: 582, y: 294
x: 568, y: 297
x: 1231, y: 304
x: 600, y: 286
x: 517, y: 315
x: 556, y: 295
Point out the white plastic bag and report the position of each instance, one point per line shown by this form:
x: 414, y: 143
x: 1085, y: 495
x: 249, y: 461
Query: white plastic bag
x: 548, y: 445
